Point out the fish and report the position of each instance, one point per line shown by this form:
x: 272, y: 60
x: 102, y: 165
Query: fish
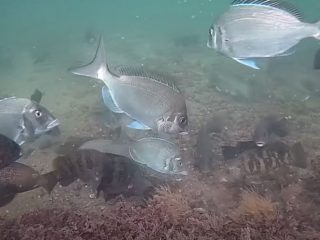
x: 7, y: 195
x: 36, y: 96
x: 23, y: 120
x: 159, y: 155
x: 152, y: 101
x: 111, y: 174
x: 256, y: 29
x: 272, y: 156
x: 17, y: 178
x: 107, y: 146
x: 86, y: 165
x: 123, y: 176
x: 166, y: 162
x: 277, y: 162
x: 10, y: 151
x: 267, y: 128
x: 316, y: 61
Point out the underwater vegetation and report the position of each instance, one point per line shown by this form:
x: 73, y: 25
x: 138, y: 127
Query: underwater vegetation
x: 168, y: 215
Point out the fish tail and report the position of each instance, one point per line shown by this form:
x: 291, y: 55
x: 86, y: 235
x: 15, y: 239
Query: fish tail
x: 48, y: 181
x: 98, y: 67
x: 317, y: 35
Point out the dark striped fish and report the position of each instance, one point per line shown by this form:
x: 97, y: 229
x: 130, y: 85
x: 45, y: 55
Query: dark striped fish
x: 271, y: 157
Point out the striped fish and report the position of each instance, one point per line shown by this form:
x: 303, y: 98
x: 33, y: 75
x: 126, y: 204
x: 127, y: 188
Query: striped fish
x: 271, y: 157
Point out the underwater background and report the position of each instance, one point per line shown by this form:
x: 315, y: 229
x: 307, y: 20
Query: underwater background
x: 41, y: 40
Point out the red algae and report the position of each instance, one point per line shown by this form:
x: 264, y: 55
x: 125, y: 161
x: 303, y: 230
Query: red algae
x: 167, y: 215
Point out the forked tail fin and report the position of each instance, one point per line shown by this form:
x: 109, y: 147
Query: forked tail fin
x: 97, y: 68
x: 317, y: 35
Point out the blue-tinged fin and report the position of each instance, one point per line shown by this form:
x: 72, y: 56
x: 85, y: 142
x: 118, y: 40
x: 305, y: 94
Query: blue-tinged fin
x: 108, y: 100
x: 248, y: 62
x: 153, y: 75
x: 288, y: 7
x: 138, y: 125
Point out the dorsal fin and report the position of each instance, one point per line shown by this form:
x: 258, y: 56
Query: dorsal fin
x: 141, y: 72
x: 288, y: 7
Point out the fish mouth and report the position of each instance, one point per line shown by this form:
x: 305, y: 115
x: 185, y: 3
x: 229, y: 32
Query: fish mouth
x: 53, y: 124
x: 260, y: 144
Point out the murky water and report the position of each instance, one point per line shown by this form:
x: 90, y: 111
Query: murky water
x: 41, y: 40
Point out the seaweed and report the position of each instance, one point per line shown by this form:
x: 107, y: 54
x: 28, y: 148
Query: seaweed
x: 168, y: 215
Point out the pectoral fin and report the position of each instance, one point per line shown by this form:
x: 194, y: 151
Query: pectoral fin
x: 248, y: 62
x: 138, y: 125
x: 108, y: 100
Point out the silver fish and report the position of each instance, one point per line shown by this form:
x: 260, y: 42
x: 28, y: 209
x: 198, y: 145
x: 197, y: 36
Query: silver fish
x: 22, y: 119
x: 259, y: 29
x: 150, y: 100
x: 156, y: 154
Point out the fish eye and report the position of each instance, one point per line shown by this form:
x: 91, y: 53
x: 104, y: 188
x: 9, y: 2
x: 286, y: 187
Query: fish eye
x: 183, y: 120
x: 37, y: 113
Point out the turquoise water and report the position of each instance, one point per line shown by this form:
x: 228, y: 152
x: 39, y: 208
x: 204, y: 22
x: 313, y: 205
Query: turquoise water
x: 41, y: 40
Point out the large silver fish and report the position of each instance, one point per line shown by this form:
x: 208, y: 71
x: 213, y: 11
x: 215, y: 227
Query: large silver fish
x: 150, y: 100
x: 155, y: 154
x: 158, y: 154
x: 252, y: 29
x: 22, y: 119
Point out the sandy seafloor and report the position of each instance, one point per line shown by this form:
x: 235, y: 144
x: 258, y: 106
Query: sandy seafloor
x: 211, y: 83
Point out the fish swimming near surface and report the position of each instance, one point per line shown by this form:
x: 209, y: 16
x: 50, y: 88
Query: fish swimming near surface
x: 17, y: 178
x: 267, y: 128
x: 10, y: 151
x: 24, y: 120
x: 150, y: 100
x: 253, y: 29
